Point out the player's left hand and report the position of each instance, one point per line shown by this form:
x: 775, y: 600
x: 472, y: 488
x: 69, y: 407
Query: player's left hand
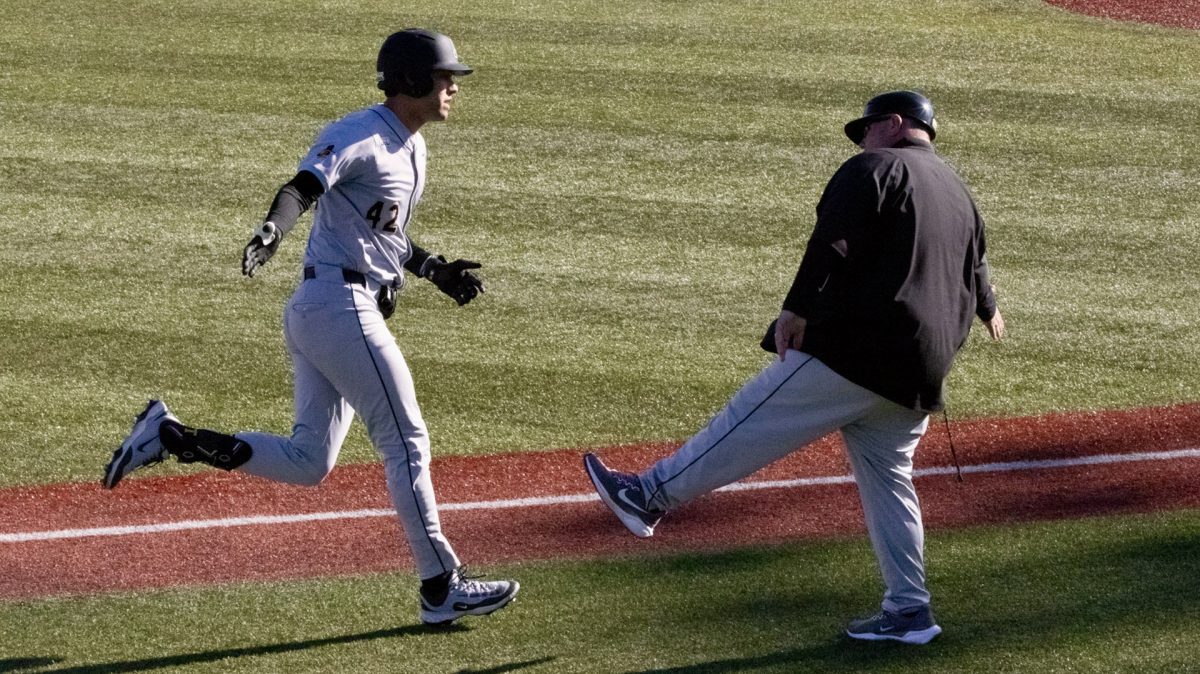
x: 455, y: 278
x: 261, y: 247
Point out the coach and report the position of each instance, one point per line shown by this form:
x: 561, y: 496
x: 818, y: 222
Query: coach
x: 884, y: 297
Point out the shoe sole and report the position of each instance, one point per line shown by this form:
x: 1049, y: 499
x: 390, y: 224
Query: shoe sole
x: 632, y: 522
x: 443, y: 618
x: 115, y: 471
x: 915, y: 637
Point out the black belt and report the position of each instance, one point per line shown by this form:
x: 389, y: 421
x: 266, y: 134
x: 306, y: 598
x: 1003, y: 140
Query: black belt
x: 348, y: 275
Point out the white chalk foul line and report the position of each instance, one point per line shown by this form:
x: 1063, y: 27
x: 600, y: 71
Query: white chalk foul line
x: 185, y: 525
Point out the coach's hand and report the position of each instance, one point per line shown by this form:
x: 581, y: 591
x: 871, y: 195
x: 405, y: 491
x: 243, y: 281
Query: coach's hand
x: 995, y: 326
x: 261, y: 247
x: 455, y: 278
x: 789, y: 332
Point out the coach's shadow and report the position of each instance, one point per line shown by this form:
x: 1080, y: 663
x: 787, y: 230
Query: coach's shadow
x: 149, y: 664
x: 819, y: 657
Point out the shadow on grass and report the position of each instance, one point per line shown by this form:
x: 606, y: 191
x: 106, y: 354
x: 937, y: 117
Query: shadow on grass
x: 512, y: 667
x: 25, y: 664
x: 1052, y: 594
x: 149, y: 664
x: 830, y: 656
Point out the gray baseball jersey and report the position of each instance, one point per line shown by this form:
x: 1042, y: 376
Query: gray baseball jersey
x: 373, y: 172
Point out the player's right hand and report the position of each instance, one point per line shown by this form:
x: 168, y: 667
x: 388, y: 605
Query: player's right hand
x: 261, y: 247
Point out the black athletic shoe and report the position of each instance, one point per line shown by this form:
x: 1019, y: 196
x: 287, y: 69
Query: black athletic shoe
x: 142, y: 447
x: 911, y: 626
x: 467, y: 596
x: 622, y: 493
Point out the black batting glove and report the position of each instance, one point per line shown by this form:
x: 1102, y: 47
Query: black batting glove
x: 261, y: 247
x: 454, y: 278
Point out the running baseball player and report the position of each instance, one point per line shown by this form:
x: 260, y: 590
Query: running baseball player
x: 367, y: 172
x: 884, y: 297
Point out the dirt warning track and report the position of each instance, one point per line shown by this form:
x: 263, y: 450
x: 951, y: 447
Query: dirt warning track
x: 1175, y: 13
x: 217, y: 528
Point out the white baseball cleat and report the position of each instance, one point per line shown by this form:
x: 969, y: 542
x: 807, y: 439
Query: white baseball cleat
x: 142, y: 447
x: 467, y: 596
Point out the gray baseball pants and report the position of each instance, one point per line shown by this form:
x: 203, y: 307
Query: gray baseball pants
x: 346, y: 360
x: 788, y: 405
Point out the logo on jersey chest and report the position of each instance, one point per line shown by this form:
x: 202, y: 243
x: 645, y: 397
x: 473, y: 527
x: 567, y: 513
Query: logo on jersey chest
x: 326, y: 152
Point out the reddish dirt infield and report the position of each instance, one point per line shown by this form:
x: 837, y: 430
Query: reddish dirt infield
x: 1025, y: 491
x: 1179, y: 13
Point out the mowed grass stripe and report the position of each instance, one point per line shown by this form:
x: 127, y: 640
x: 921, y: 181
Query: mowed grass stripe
x: 638, y: 180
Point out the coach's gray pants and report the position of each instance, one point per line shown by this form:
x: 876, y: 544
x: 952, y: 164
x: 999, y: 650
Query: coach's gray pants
x: 346, y: 360
x: 788, y: 405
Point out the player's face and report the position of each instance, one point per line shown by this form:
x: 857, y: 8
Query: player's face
x: 444, y: 88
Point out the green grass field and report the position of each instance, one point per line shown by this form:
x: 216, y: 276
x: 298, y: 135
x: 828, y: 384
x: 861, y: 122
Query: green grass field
x: 639, y: 180
x: 1124, y: 596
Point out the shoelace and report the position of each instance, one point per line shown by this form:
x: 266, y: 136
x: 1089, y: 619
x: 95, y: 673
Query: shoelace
x: 890, y: 620
x: 634, y: 485
x: 629, y: 482
x: 471, y: 585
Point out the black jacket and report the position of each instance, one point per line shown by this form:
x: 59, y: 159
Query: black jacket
x: 893, y: 274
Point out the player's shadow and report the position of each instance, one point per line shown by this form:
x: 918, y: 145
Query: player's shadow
x: 25, y: 664
x: 149, y: 664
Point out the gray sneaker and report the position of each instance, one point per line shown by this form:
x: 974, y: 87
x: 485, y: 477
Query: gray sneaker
x: 622, y: 493
x: 466, y: 595
x: 911, y: 626
x: 142, y: 447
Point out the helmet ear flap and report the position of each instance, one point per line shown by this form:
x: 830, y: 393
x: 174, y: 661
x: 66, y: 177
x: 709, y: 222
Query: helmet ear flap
x: 417, y: 85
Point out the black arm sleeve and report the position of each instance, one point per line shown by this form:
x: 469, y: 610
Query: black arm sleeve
x: 293, y: 200
x: 417, y: 259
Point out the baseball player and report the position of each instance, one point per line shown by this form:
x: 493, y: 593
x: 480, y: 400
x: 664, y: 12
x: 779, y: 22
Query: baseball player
x: 364, y: 176
x: 884, y: 297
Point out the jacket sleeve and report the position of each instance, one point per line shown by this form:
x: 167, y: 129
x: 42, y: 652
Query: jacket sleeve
x: 985, y: 297
x: 851, y: 201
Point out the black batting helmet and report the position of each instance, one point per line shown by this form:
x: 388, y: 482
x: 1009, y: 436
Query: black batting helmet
x: 908, y: 104
x: 408, y: 59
